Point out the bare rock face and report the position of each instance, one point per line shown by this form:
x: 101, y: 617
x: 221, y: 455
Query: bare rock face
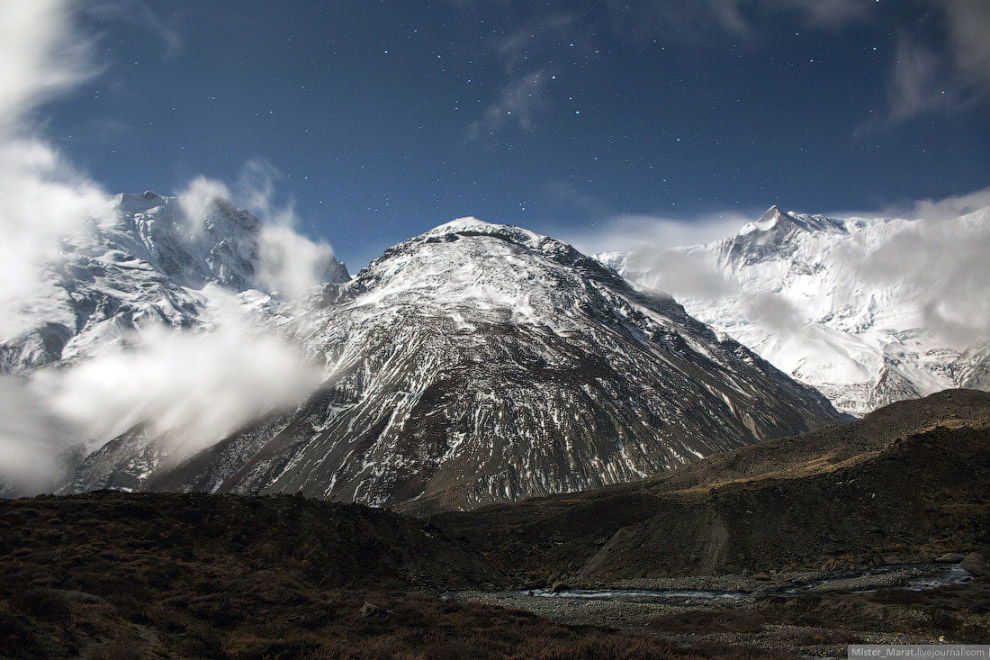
x: 482, y: 363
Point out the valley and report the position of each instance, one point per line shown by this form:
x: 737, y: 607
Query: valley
x: 807, y: 542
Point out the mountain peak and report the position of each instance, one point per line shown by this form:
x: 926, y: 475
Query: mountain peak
x: 480, y: 232
x: 466, y: 223
x: 772, y: 215
x: 777, y: 220
x: 471, y: 226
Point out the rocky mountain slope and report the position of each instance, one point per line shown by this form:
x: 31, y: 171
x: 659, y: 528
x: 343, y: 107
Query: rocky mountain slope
x: 814, y: 296
x: 481, y: 363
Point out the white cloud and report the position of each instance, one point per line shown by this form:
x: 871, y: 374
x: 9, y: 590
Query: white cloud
x: 925, y: 78
x: 645, y: 233
x: 141, y: 16
x: 951, y: 207
x: 821, y: 13
x: 42, y: 197
x: 189, y: 388
x: 679, y: 274
x: 694, y: 21
x: 917, y: 82
x: 42, y: 56
x: 28, y: 453
x: 198, y: 198
x: 941, y: 263
x: 937, y: 265
x: 288, y: 262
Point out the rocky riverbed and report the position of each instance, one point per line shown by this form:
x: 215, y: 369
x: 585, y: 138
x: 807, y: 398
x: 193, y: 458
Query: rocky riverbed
x: 805, y: 612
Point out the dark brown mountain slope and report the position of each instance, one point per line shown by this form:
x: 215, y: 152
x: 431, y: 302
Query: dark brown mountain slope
x: 909, y: 481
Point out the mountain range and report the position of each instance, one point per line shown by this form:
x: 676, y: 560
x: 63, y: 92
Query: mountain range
x: 474, y: 363
x: 855, y: 307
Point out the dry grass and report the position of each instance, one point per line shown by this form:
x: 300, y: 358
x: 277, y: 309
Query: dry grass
x: 166, y: 576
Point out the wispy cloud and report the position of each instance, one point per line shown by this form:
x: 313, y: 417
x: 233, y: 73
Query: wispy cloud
x: 518, y: 100
x: 42, y: 196
x: 639, y: 233
x: 936, y: 266
x: 141, y: 15
x: 288, y: 262
x: 948, y: 77
x: 691, y: 22
x: 187, y: 389
x: 951, y: 207
x: 42, y: 56
x: 820, y: 13
x: 528, y: 71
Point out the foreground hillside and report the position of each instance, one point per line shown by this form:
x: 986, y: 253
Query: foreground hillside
x: 910, y: 481
x: 113, y: 576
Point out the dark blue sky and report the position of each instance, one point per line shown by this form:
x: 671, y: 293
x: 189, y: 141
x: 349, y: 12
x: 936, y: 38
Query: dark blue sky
x: 388, y: 118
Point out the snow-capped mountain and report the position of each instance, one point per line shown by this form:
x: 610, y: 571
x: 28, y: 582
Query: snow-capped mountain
x: 813, y: 295
x: 152, y: 263
x: 480, y: 363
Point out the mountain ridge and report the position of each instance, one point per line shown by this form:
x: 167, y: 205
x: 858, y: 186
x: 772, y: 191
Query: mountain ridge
x: 480, y: 362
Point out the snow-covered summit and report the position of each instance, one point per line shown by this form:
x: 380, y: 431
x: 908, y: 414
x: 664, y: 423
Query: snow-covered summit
x: 849, y: 305
x: 784, y: 221
x: 478, y: 363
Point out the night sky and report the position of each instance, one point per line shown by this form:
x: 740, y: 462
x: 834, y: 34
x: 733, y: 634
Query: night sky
x: 384, y: 119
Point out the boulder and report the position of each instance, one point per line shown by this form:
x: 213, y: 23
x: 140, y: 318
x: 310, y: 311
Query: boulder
x: 976, y: 563
x: 950, y: 558
x: 369, y: 610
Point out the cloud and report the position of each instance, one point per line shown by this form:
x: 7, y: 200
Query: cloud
x: 774, y: 312
x: 188, y: 388
x: 198, y: 198
x: 917, y: 82
x: 692, y: 22
x: 42, y: 56
x: 288, y: 262
x: 821, y: 13
x: 28, y: 453
x: 42, y: 197
x: 42, y: 200
x: 678, y: 273
x: 951, y: 207
x: 968, y: 27
x: 645, y: 233
x: 927, y: 78
x: 525, y: 55
x: 517, y: 101
x: 142, y: 16
x: 939, y: 264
